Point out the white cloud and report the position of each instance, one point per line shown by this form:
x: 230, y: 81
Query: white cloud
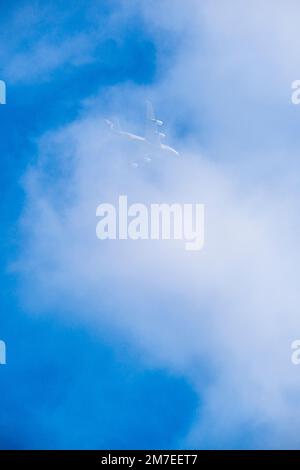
x: 224, y: 317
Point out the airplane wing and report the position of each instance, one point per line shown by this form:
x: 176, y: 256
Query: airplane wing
x: 153, y: 125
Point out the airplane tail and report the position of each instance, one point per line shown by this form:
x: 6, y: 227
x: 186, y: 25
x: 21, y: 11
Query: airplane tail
x: 150, y: 111
x: 153, y: 134
x: 151, y: 114
x: 114, y: 125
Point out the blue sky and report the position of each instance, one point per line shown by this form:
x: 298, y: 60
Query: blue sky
x: 134, y: 346
x: 63, y: 387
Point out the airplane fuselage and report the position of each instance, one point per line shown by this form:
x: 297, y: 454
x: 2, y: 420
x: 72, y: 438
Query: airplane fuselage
x: 151, y: 144
x: 158, y: 147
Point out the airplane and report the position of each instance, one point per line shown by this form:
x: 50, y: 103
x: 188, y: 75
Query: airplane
x: 152, y: 142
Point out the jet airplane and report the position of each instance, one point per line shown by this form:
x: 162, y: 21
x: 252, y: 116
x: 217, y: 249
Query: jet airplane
x: 152, y: 141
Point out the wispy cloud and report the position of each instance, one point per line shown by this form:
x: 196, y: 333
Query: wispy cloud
x: 51, y: 37
x: 224, y: 317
